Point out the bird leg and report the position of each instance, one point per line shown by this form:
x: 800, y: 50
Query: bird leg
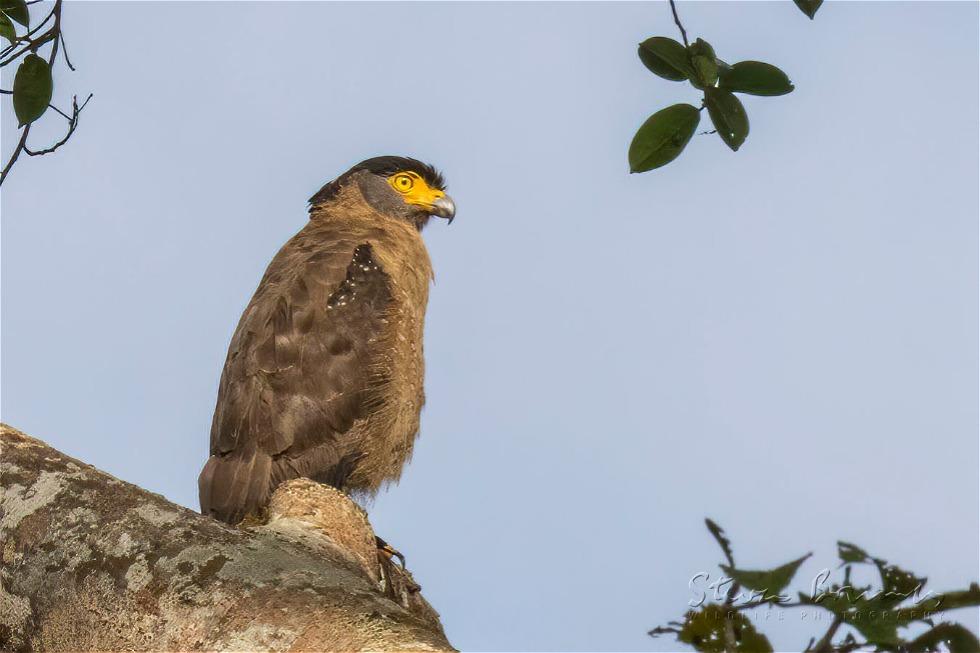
x: 387, y: 551
x: 396, y: 581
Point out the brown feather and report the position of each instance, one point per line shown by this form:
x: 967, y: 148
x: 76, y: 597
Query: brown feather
x: 323, y: 377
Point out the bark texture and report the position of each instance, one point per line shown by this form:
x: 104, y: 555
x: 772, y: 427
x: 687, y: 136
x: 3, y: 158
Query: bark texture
x: 88, y: 562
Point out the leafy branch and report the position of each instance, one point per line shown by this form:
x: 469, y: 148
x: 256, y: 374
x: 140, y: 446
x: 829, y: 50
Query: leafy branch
x: 33, y: 81
x: 665, y: 134
x: 873, y: 616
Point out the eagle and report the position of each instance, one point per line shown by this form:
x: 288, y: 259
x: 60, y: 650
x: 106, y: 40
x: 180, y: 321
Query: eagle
x: 323, y: 378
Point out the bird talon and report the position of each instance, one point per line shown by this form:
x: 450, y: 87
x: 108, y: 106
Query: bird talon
x: 388, y: 551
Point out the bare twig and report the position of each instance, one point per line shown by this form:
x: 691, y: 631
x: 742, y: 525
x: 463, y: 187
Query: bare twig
x: 63, y: 114
x: 53, y: 34
x: 72, y: 124
x: 677, y: 21
x: 64, y: 51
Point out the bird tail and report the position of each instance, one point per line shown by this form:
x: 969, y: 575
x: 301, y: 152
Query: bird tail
x: 236, y: 485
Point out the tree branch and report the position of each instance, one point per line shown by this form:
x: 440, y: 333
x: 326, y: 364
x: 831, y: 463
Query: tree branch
x: 26, y: 37
x: 95, y: 564
x: 17, y: 150
x: 32, y: 43
x: 824, y: 645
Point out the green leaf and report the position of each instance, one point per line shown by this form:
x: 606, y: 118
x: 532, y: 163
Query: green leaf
x: 32, y: 89
x: 705, y: 631
x: 879, y: 627
x: 953, y: 600
x: 704, y: 63
x: 896, y: 583
x: 663, y: 137
x: 728, y: 116
x: 719, y: 535
x: 873, y: 617
x: 16, y: 10
x: 754, y: 78
x: 769, y: 583
x: 7, y: 30
x: 749, y: 640
x: 665, y: 57
x: 722, y: 66
x: 809, y: 7
x: 848, y: 552
x: 954, y: 636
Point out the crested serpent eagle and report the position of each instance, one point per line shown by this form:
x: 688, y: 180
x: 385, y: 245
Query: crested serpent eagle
x: 323, y: 378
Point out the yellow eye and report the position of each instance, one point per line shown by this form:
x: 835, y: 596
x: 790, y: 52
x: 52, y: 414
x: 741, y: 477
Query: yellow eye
x: 403, y: 183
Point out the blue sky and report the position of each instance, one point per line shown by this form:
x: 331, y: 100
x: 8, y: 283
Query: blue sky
x: 784, y: 339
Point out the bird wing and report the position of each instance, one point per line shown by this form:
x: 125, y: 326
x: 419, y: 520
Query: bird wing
x: 298, y: 375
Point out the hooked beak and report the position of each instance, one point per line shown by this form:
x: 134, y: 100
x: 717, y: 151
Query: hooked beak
x: 444, y: 207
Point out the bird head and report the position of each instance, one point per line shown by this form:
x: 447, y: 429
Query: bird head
x: 397, y: 187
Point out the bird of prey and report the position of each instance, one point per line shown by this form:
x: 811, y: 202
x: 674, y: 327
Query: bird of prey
x: 323, y: 378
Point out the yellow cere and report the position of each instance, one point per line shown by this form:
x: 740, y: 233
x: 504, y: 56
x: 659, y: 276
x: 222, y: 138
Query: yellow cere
x: 414, y: 190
